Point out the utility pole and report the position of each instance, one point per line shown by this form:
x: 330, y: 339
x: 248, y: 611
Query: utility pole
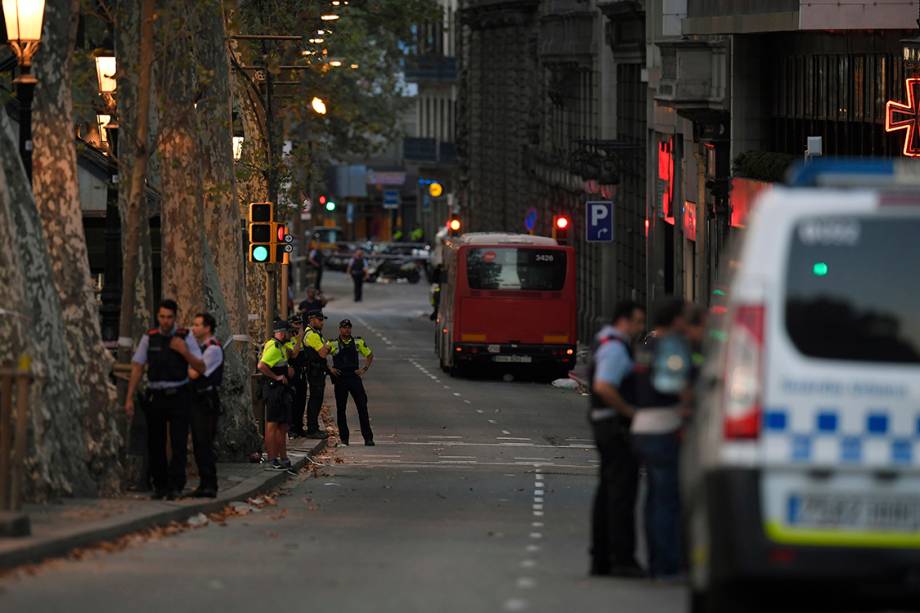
x: 271, y: 284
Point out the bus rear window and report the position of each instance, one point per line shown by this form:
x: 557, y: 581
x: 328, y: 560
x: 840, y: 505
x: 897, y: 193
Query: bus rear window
x: 515, y: 269
x: 851, y: 289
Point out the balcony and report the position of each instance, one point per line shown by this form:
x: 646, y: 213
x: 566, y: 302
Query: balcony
x: 693, y: 75
x: 429, y: 150
x: 431, y: 68
x: 741, y: 16
x: 567, y: 36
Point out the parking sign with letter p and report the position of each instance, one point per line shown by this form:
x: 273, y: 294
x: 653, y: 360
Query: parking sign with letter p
x: 599, y: 218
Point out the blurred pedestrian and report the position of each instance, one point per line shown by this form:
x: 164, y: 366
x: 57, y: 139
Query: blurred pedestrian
x: 613, y: 525
x: 206, y: 404
x: 316, y: 258
x: 358, y: 269
x: 167, y: 352
x: 662, y: 370
x: 347, y: 378
x: 315, y: 301
x: 316, y: 348
x: 273, y: 364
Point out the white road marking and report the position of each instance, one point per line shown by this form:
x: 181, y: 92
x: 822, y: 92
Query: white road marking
x: 536, y: 535
x: 458, y: 457
x: 538, y: 507
x: 538, y: 498
x: 515, y: 604
x: 492, y: 421
x: 533, y: 548
x: 468, y: 402
x: 441, y: 436
x: 480, y: 411
x: 538, y: 492
x: 528, y: 563
x: 538, y: 513
x: 526, y: 583
x: 512, y: 438
x: 505, y: 432
x: 456, y: 393
x: 536, y: 524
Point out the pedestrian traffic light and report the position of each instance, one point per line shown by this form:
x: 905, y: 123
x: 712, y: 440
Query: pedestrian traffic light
x: 454, y: 225
x: 561, y: 226
x: 261, y: 215
x: 282, y: 244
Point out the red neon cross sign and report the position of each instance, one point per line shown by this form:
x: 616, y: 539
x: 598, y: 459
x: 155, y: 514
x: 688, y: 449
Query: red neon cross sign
x: 906, y: 117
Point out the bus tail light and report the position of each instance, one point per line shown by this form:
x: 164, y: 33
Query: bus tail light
x: 743, y: 394
x: 458, y: 349
x: 570, y: 351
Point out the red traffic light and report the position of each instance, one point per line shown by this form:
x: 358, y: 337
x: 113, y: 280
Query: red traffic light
x: 322, y: 200
x: 562, y: 222
x: 281, y: 231
x: 454, y: 224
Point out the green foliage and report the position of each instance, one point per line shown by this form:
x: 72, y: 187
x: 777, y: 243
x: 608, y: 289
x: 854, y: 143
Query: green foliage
x: 763, y: 165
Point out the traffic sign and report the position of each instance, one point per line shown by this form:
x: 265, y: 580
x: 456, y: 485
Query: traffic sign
x: 599, y: 221
x: 391, y: 199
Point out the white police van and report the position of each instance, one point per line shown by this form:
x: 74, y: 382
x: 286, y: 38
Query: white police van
x: 801, y: 470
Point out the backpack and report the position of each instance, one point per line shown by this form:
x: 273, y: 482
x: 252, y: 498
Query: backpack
x: 671, y: 364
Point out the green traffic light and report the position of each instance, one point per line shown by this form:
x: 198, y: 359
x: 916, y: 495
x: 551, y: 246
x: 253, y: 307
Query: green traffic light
x: 819, y: 269
x: 330, y: 206
x: 260, y: 253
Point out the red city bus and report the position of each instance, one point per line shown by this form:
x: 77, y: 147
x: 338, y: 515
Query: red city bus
x: 507, y: 299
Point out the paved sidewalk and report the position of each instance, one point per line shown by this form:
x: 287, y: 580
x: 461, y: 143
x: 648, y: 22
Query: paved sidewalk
x: 58, y: 528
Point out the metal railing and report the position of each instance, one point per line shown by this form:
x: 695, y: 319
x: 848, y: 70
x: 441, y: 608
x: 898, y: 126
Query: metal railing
x: 15, y: 380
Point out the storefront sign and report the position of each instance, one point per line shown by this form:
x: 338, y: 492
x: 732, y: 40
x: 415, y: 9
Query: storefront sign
x: 900, y: 116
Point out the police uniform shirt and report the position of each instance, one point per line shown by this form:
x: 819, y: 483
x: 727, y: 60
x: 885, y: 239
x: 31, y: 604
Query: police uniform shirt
x: 336, y: 346
x: 274, y: 353
x: 612, y: 364
x: 213, y: 357
x: 140, y: 357
x: 314, y: 340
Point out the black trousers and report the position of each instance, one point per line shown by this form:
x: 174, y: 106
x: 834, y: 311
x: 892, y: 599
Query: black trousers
x: 300, y: 404
x: 345, y: 385
x: 205, y: 412
x: 315, y: 403
x: 168, y: 410
x: 359, y: 285
x: 613, y: 525
x: 319, y: 278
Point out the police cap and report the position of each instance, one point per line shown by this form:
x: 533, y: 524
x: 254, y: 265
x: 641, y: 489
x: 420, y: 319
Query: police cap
x: 281, y: 325
x: 345, y: 323
x: 318, y: 314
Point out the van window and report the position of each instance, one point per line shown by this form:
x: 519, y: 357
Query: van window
x: 851, y: 288
x: 510, y: 268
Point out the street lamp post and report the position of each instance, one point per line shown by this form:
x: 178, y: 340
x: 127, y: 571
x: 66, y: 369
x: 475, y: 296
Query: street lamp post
x: 111, y: 289
x: 24, y: 31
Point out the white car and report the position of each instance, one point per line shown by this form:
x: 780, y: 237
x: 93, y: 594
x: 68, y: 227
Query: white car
x: 802, y: 466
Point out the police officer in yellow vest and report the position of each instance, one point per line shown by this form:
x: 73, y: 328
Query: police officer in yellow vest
x: 346, y: 376
x: 278, y: 394
x: 316, y: 348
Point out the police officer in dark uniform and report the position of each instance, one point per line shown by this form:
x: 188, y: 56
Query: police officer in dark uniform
x: 298, y: 361
x: 206, y: 404
x: 612, y: 380
x: 346, y: 376
x: 167, y: 351
x: 316, y: 349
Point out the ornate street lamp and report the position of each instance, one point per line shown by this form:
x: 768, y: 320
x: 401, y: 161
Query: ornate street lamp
x: 24, y: 32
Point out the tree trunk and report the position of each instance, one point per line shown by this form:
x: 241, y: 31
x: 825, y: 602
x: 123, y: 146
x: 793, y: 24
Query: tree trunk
x: 182, y: 213
x: 58, y: 457
x: 237, y: 434
x: 134, y: 45
x: 57, y: 198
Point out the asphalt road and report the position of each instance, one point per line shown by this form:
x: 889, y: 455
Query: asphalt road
x: 476, y: 498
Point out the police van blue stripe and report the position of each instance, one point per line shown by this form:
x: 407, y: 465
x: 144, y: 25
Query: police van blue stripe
x: 777, y: 420
x: 877, y: 423
x: 827, y: 421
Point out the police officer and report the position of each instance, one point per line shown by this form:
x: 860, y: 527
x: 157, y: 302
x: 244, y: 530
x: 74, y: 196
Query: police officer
x: 206, y: 403
x: 167, y: 351
x: 273, y: 364
x: 347, y: 379
x: 298, y: 361
x: 316, y: 349
x: 613, y: 523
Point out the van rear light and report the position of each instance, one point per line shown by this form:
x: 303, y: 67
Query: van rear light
x: 744, y: 373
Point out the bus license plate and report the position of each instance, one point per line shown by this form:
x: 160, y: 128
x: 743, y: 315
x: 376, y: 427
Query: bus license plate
x: 854, y: 512
x: 515, y: 359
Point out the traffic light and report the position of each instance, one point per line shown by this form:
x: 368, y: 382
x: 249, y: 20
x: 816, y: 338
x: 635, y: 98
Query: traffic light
x: 561, y: 226
x: 454, y: 225
x: 261, y: 215
x: 283, y: 244
x: 327, y: 203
